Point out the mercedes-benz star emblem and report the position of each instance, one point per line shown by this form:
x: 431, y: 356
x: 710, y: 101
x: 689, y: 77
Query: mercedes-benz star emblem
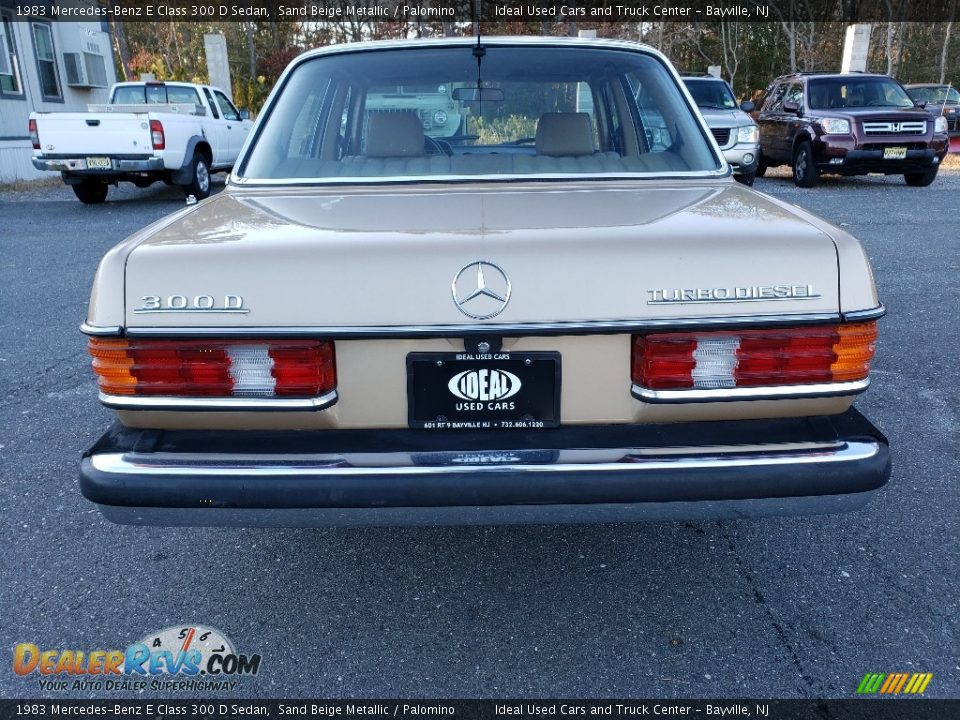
x: 481, y: 290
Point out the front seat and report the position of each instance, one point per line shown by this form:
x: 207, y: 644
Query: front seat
x: 568, y: 134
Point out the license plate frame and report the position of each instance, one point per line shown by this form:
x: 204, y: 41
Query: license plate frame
x: 895, y: 153
x: 437, y: 382
x: 95, y: 162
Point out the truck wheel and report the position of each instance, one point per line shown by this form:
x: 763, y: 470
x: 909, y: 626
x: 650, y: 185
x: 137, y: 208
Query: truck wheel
x: 805, y: 172
x: 761, y: 168
x: 90, y: 192
x: 922, y: 179
x: 745, y: 178
x: 199, y: 185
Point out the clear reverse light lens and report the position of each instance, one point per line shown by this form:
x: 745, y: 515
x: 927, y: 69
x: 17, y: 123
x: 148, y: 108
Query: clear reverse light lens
x: 748, y: 134
x: 835, y: 126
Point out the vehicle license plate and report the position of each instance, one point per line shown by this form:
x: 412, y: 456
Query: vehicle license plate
x: 99, y: 163
x: 895, y: 153
x: 465, y: 391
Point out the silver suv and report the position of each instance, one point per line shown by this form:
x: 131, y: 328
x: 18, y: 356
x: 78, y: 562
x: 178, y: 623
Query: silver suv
x: 733, y: 129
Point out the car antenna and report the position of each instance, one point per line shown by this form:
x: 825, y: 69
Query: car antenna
x: 946, y: 95
x: 478, y: 52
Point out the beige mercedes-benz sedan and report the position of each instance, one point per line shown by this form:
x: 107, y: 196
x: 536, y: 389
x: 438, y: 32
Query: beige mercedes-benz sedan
x: 462, y: 282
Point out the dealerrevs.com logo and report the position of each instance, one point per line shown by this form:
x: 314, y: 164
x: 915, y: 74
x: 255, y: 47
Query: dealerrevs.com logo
x: 181, y: 657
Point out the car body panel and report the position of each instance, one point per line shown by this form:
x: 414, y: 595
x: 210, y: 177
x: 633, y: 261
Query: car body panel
x: 280, y: 246
x: 369, y: 269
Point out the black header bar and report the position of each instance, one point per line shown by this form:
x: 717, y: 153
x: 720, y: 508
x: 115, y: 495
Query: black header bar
x: 232, y: 708
x: 458, y: 11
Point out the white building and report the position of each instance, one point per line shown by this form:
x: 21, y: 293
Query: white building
x: 46, y: 65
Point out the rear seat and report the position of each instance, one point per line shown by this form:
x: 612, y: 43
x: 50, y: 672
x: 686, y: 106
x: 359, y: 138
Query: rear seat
x: 395, y: 147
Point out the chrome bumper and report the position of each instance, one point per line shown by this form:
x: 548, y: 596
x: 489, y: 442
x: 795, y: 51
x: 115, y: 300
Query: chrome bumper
x: 586, y: 474
x: 79, y: 165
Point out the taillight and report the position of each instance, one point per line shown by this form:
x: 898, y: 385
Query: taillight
x: 34, y: 135
x: 157, y: 136
x: 214, y: 368
x: 753, y: 358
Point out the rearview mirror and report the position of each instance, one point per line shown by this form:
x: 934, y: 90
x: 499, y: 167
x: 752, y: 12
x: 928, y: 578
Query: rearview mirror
x: 747, y: 106
x: 244, y: 114
x: 791, y: 106
x: 472, y: 94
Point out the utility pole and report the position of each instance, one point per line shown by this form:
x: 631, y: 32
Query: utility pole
x: 856, y: 47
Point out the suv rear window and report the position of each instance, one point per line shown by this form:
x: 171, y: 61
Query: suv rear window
x: 414, y: 112
x: 830, y: 93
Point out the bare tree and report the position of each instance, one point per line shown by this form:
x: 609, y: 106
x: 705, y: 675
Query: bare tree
x: 251, y: 49
x: 944, y: 51
x: 729, y: 43
x: 120, y: 38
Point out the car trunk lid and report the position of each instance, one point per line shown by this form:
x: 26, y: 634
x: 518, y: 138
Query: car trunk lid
x: 406, y: 258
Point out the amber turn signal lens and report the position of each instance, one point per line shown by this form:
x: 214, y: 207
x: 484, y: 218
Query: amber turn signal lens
x: 854, y: 349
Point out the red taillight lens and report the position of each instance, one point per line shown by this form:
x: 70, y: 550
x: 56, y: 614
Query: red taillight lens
x: 214, y: 368
x: 752, y: 358
x: 34, y: 135
x: 157, y: 136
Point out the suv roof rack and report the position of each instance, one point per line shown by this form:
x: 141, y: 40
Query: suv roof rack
x: 808, y: 73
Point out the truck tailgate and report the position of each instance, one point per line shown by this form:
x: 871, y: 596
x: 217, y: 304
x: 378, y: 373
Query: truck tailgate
x: 84, y: 134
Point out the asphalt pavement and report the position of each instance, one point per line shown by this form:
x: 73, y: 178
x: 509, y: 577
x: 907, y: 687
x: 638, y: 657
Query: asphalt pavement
x: 791, y: 607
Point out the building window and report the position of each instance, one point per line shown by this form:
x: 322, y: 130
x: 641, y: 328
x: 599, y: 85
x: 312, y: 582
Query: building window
x: 46, y: 62
x: 10, y: 83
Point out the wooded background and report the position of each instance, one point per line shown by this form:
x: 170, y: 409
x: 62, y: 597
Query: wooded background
x: 750, y: 54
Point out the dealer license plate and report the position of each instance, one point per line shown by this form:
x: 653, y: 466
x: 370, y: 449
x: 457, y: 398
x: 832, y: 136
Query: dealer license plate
x: 494, y: 391
x: 99, y: 163
x: 895, y: 153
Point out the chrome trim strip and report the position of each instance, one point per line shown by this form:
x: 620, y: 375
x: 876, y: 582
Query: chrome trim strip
x: 872, y: 314
x: 502, y: 178
x: 153, y: 464
x: 583, y: 327
x: 227, y: 404
x: 101, y: 331
x: 772, y: 392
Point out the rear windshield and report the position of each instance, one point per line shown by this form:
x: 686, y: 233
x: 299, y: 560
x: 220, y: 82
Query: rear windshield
x: 711, y: 94
x: 418, y: 112
x: 857, y: 93
x: 154, y: 95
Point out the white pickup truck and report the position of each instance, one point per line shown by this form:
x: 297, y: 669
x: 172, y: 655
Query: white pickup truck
x: 170, y: 131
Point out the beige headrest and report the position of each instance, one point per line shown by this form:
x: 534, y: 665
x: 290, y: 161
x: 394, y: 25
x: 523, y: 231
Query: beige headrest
x: 564, y: 134
x: 394, y: 134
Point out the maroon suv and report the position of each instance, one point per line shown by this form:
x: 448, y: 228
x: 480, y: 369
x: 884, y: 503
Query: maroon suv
x: 848, y: 124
